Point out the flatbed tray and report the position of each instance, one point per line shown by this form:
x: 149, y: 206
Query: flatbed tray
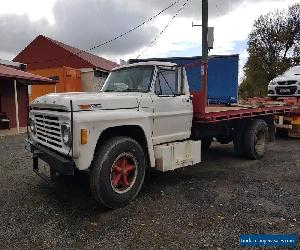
x: 218, y: 113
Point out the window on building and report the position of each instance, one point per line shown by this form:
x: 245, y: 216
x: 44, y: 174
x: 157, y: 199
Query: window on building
x: 100, y: 74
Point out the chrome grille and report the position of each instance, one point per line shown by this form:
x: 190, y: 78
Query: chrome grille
x: 48, y: 129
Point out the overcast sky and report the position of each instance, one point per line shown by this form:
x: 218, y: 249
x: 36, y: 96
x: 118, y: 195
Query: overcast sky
x: 85, y: 23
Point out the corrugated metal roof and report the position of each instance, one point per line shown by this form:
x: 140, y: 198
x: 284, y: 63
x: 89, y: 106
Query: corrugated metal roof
x: 96, y: 61
x: 12, y: 73
x: 12, y: 64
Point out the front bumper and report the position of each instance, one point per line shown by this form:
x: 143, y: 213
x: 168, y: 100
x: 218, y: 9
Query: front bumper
x: 283, y: 90
x: 61, y: 164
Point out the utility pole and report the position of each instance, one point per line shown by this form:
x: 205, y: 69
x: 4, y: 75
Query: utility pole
x: 204, y: 30
x: 200, y: 100
x: 204, y: 53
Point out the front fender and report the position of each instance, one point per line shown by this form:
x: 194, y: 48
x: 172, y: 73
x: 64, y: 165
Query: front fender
x: 96, y: 122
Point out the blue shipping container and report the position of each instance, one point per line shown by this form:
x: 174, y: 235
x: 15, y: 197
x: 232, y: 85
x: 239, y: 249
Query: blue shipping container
x: 222, y: 86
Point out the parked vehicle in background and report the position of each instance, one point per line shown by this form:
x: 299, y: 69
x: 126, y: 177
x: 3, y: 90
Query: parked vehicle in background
x: 287, y: 84
x: 145, y: 117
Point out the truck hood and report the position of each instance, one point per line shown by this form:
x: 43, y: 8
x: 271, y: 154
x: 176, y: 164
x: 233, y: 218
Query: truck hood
x: 87, y: 101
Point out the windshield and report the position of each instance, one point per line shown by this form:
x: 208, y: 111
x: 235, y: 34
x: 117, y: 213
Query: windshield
x: 292, y: 71
x: 135, y: 79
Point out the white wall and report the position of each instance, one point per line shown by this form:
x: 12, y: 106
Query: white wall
x: 90, y: 83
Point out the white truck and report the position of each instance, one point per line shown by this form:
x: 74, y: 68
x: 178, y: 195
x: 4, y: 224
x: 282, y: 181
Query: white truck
x: 143, y: 117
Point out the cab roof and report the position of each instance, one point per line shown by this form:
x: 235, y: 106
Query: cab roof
x: 150, y: 63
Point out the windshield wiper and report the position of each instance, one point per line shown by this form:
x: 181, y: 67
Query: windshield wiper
x: 125, y: 90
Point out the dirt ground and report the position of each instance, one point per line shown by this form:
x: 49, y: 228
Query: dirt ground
x: 205, y: 206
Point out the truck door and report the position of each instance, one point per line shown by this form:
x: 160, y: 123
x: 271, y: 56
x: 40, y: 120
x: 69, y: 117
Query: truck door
x: 173, y: 111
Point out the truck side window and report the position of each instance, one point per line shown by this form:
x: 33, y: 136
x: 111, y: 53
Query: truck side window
x: 166, y: 82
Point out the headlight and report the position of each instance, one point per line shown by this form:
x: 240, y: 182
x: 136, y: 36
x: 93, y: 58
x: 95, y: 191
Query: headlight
x: 272, y: 83
x: 66, y: 134
x: 32, y: 125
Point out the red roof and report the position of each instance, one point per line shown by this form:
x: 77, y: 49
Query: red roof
x: 12, y: 73
x: 44, y: 52
x: 97, y: 61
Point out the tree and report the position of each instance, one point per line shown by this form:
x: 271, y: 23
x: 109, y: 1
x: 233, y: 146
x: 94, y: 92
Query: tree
x: 273, y: 47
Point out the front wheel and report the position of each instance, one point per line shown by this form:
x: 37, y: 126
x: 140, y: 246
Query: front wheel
x: 117, y: 172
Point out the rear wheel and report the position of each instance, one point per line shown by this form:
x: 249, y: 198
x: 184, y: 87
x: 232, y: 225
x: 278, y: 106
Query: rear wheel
x: 224, y: 139
x: 238, y: 138
x: 256, y: 139
x: 117, y: 172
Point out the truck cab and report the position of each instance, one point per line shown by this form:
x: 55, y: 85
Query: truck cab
x: 142, y: 118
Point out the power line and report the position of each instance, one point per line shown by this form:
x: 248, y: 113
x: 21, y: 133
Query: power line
x: 113, y: 39
x: 134, y: 28
x: 165, y: 28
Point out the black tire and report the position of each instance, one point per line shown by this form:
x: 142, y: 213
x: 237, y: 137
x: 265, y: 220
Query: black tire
x: 205, y: 143
x: 274, y: 98
x: 256, y: 139
x: 238, y: 139
x: 103, y: 166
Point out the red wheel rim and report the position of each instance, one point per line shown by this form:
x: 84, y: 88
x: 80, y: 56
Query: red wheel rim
x: 123, y: 173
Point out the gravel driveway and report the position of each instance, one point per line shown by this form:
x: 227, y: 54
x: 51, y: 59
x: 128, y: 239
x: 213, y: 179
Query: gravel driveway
x: 205, y: 206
